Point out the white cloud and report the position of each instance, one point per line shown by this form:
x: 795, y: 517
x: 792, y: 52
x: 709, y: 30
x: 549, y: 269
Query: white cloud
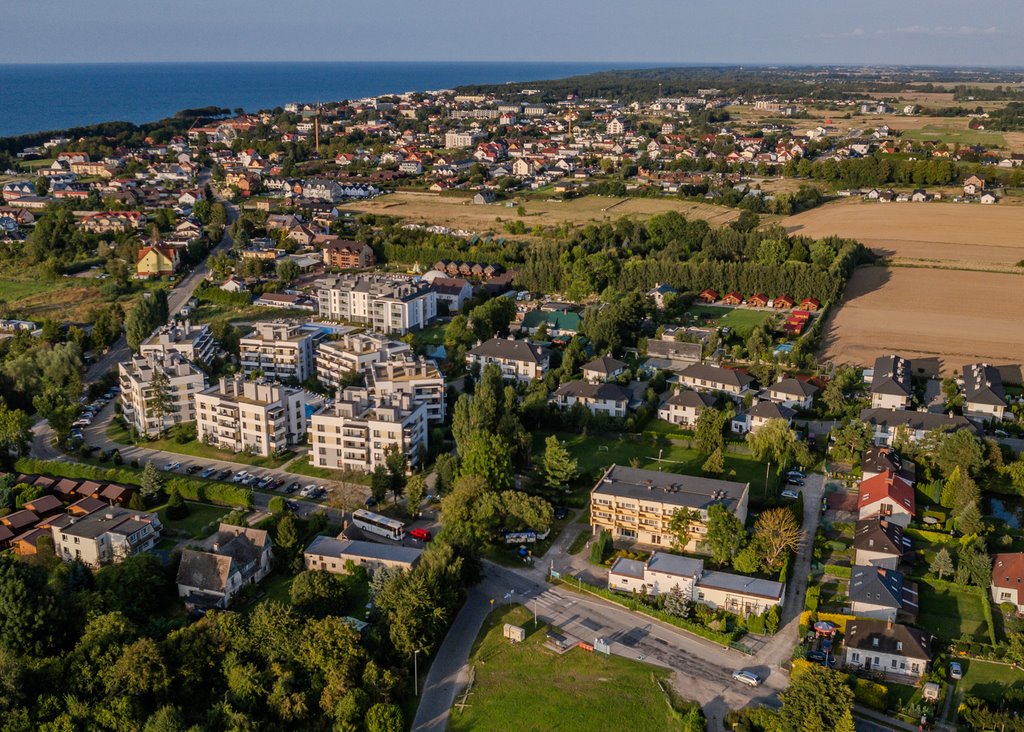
x: 939, y: 30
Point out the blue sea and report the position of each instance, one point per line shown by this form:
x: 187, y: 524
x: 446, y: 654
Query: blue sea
x: 38, y: 97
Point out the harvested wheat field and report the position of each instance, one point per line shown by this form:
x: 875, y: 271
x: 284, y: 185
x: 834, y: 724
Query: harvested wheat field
x: 941, y: 319
x: 969, y: 236
x: 459, y: 213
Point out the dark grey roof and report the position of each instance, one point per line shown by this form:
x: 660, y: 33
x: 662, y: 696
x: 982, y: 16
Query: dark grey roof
x: 771, y: 410
x: 629, y: 567
x: 875, y: 635
x: 691, y: 398
x: 768, y: 589
x: 876, y: 535
x: 204, y: 570
x: 891, y: 376
x: 604, y: 365
x: 717, y: 374
x: 664, y: 487
x: 794, y: 387
x: 512, y: 350
x: 675, y: 564
x: 876, y: 586
x: 983, y: 385
x: 924, y: 421
x: 331, y: 547
x: 586, y: 390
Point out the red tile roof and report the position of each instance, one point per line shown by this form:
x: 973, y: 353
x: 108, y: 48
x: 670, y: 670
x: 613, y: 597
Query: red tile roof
x: 889, y: 486
x: 1008, y: 571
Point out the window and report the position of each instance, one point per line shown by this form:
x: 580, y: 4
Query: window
x: 855, y: 657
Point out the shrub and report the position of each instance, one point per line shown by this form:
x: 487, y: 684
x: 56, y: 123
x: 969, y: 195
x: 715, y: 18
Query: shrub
x: 755, y: 624
x: 601, y: 547
x: 836, y: 571
x: 176, y: 508
x: 276, y: 504
x: 772, y: 618
x: 871, y: 694
x: 812, y: 598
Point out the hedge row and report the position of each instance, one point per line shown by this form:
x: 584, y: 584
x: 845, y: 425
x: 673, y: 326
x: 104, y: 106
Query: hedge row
x: 193, y: 489
x: 635, y: 605
x: 871, y: 694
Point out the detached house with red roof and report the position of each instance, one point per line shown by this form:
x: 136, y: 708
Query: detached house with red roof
x: 889, y: 496
x: 156, y: 260
x: 1008, y: 580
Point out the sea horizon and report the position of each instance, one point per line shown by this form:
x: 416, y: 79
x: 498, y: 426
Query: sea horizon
x: 94, y: 92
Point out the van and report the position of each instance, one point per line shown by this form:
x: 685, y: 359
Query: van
x: 420, y: 535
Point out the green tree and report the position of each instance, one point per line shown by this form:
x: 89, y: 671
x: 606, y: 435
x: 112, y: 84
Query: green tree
x: 676, y: 602
x: 384, y: 718
x: 959, y: 491
x: 817, y: 700
x: 969, y: 519
x: 447, y: 469
x: 286, y: 540
x: 317, y: 593
x: 151, y: 484
x: 725, y: 534
x: 287, y: 270
x: 707, y: 435
x: 680, y: 526
x: 778, y: 534
x: 58, y: 405
x: 942, y: 563
x: 397, y: 464
x: 850, y: 440
x: 415, y: 492
x: 31, y: 616
x: 380, y: 483
x: 488, y: 456
x: 15, y: 432
x: 715, y: 464
x: 558, y: 467
x: 160, y: 401
x: 958, y: 449
x: 776, y: 442
x: 973, y: 565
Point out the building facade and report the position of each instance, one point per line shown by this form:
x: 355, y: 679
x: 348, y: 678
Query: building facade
x: 278, y: 350
x: 420, y: 378
x: 252, y: 416
x: 386, y: 304
x: 354, y: 352
x: 143, y: 406
x: 518, y: 360
x: 105, y: 537
x: 194, y: 342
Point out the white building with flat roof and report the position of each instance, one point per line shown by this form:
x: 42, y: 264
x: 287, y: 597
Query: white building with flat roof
x: 141, y: 404
x: 386, y: 303
x: 278, y: 350
x: 354, y: 352
x: 194, y: 342
x: 419, y: 377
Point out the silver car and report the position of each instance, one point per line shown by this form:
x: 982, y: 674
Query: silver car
x: 747, y: 677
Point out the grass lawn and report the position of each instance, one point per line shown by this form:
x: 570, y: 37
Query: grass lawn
x: 527, y: 687
x: 195, y: 525
x: 740, y: 320
x: 949, y: 614
x: 432, y: 336
x: 580, y: 541
x: 989, y: 680
x: 117, y: 432
x: 940, y: 133
x: 301, y: 466
x: 594, y: 453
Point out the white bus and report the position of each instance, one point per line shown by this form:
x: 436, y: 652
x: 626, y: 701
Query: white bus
x: 377, y: 524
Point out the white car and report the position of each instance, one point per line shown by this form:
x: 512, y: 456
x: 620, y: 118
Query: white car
x: 172, y: 466
x: 307, y: 491
x: 240, y: 476
x: 956, y: 671
x: 790, y: 494
x: 746, y: 677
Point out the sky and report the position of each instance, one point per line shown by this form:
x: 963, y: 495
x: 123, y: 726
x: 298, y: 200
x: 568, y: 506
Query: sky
x: 940, y: 32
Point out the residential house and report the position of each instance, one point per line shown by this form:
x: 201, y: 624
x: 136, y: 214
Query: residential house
x: 792, y: 393
x: 882, y: 594
x: 278, y: 350
x: 684, y: 406
x: 636, y: 505
x: 559, y: 323
x: 890, y: 383
x: 984, y: 397
x: 759, y: 414
x: 888, y: 423
x: 879, y: 459
x: 237, y: 556
x: 658, y: 294
x: 453, y: 292
x: 603, y: 369
x: 254, y: 416
x: 346, y: 253
x: 888, y: 496
x: 105, y: 537
x: 673, y: 355
x: 703, y: 377
x: 354, y: 432
x: 880, y: 646
x: 518, y: 360
x: 157, y: 261
x: 601, y: 398
x: 1008, y: 580
x: 879, y: 543
x: 333, y: 555
x: 157, y: 391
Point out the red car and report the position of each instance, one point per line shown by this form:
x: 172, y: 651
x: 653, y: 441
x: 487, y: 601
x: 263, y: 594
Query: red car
x: 421, y: 534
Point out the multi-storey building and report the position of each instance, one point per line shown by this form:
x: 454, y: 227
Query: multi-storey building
x: 354, y: 352
x: 387, y: 304
x: 984, y: 396
x: 279, y: 350
x: 354, y: 432
x: 194, y: 342
x: 149, y: 407
x: 636, y: 505
x: 105, y: 537
x: 890, y: 383
x: 420, y: 378
x: 252, y: 416
x: 520, y: 360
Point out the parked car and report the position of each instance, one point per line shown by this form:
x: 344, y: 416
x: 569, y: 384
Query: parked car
x: 291, y: 488
x: 817, y: 656
x: 307, y: 491
x: 561, y: 512
x: 171, y: 466
x: 792, y: 495
x: 747, y: 677
x: 240, y: 476
x: 420, y: 534
x: 371, y: 501
x: 794, y: 473
x: 225, y: 474
x: 193, y: 469
x: 264, y: 482
x: 208, y: 473
x: 794, y: 481
x: 956, y: 671
x: 291, y: 505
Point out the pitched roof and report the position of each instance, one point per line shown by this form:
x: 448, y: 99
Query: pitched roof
x: 1008, y: 570
x: 586, y: 390
x: 880, y: 536
x: 886, y: 486
x: 604, y: 365
x: 690, y: 398
x: 876, y: 635
x: 892, y: 376
x: 794, y: 387
x: 204, y: 570
x: 876, y: 586
x: 771, y: 410
x: 983, y: 385
x: 510, y: 349
x: 717, y: 375
x: 916, y: 421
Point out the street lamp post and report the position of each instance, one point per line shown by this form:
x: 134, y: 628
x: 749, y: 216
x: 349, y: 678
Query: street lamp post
x: 416, y: 670
x: 766, y: 469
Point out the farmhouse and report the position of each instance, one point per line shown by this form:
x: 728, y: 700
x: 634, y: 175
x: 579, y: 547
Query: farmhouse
x: 624, y: 494
x: 887, y: 496
x: 1008, y: 580
x: 878, y: 645
x: 881, y: 593
x: 879, y: 543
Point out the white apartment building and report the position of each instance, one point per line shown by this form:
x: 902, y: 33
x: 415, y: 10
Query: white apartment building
x: 278, y: 349
x: 420, y: 378
x: 253, y: 416
x: 194, y: 342
x: 353, y: 433
x: 354, y: 352
x: 462, y: 138
x: 139, y: 403
x: 387, y: 304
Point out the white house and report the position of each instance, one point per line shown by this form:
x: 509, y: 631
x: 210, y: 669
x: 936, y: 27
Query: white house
x: 792, y: 393
x: 610, y: 399
x: 1008, y: 580
x: 684, y: 407
x: 878, y: 645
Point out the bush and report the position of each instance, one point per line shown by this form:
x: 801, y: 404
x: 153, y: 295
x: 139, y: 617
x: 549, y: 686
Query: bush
x: 755, y: 624
x: 601, y: 547
x: 871, y: 694
x: 772, y: 618
x: 276, y: 504
x: 176, y: 508
x: 579, y: 542
x: 812, y: 598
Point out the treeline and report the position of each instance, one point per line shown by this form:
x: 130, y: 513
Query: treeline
x: 877, y: 171
x: 395, y: 244
x: 627, y: 256
x: 1010, y: 117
